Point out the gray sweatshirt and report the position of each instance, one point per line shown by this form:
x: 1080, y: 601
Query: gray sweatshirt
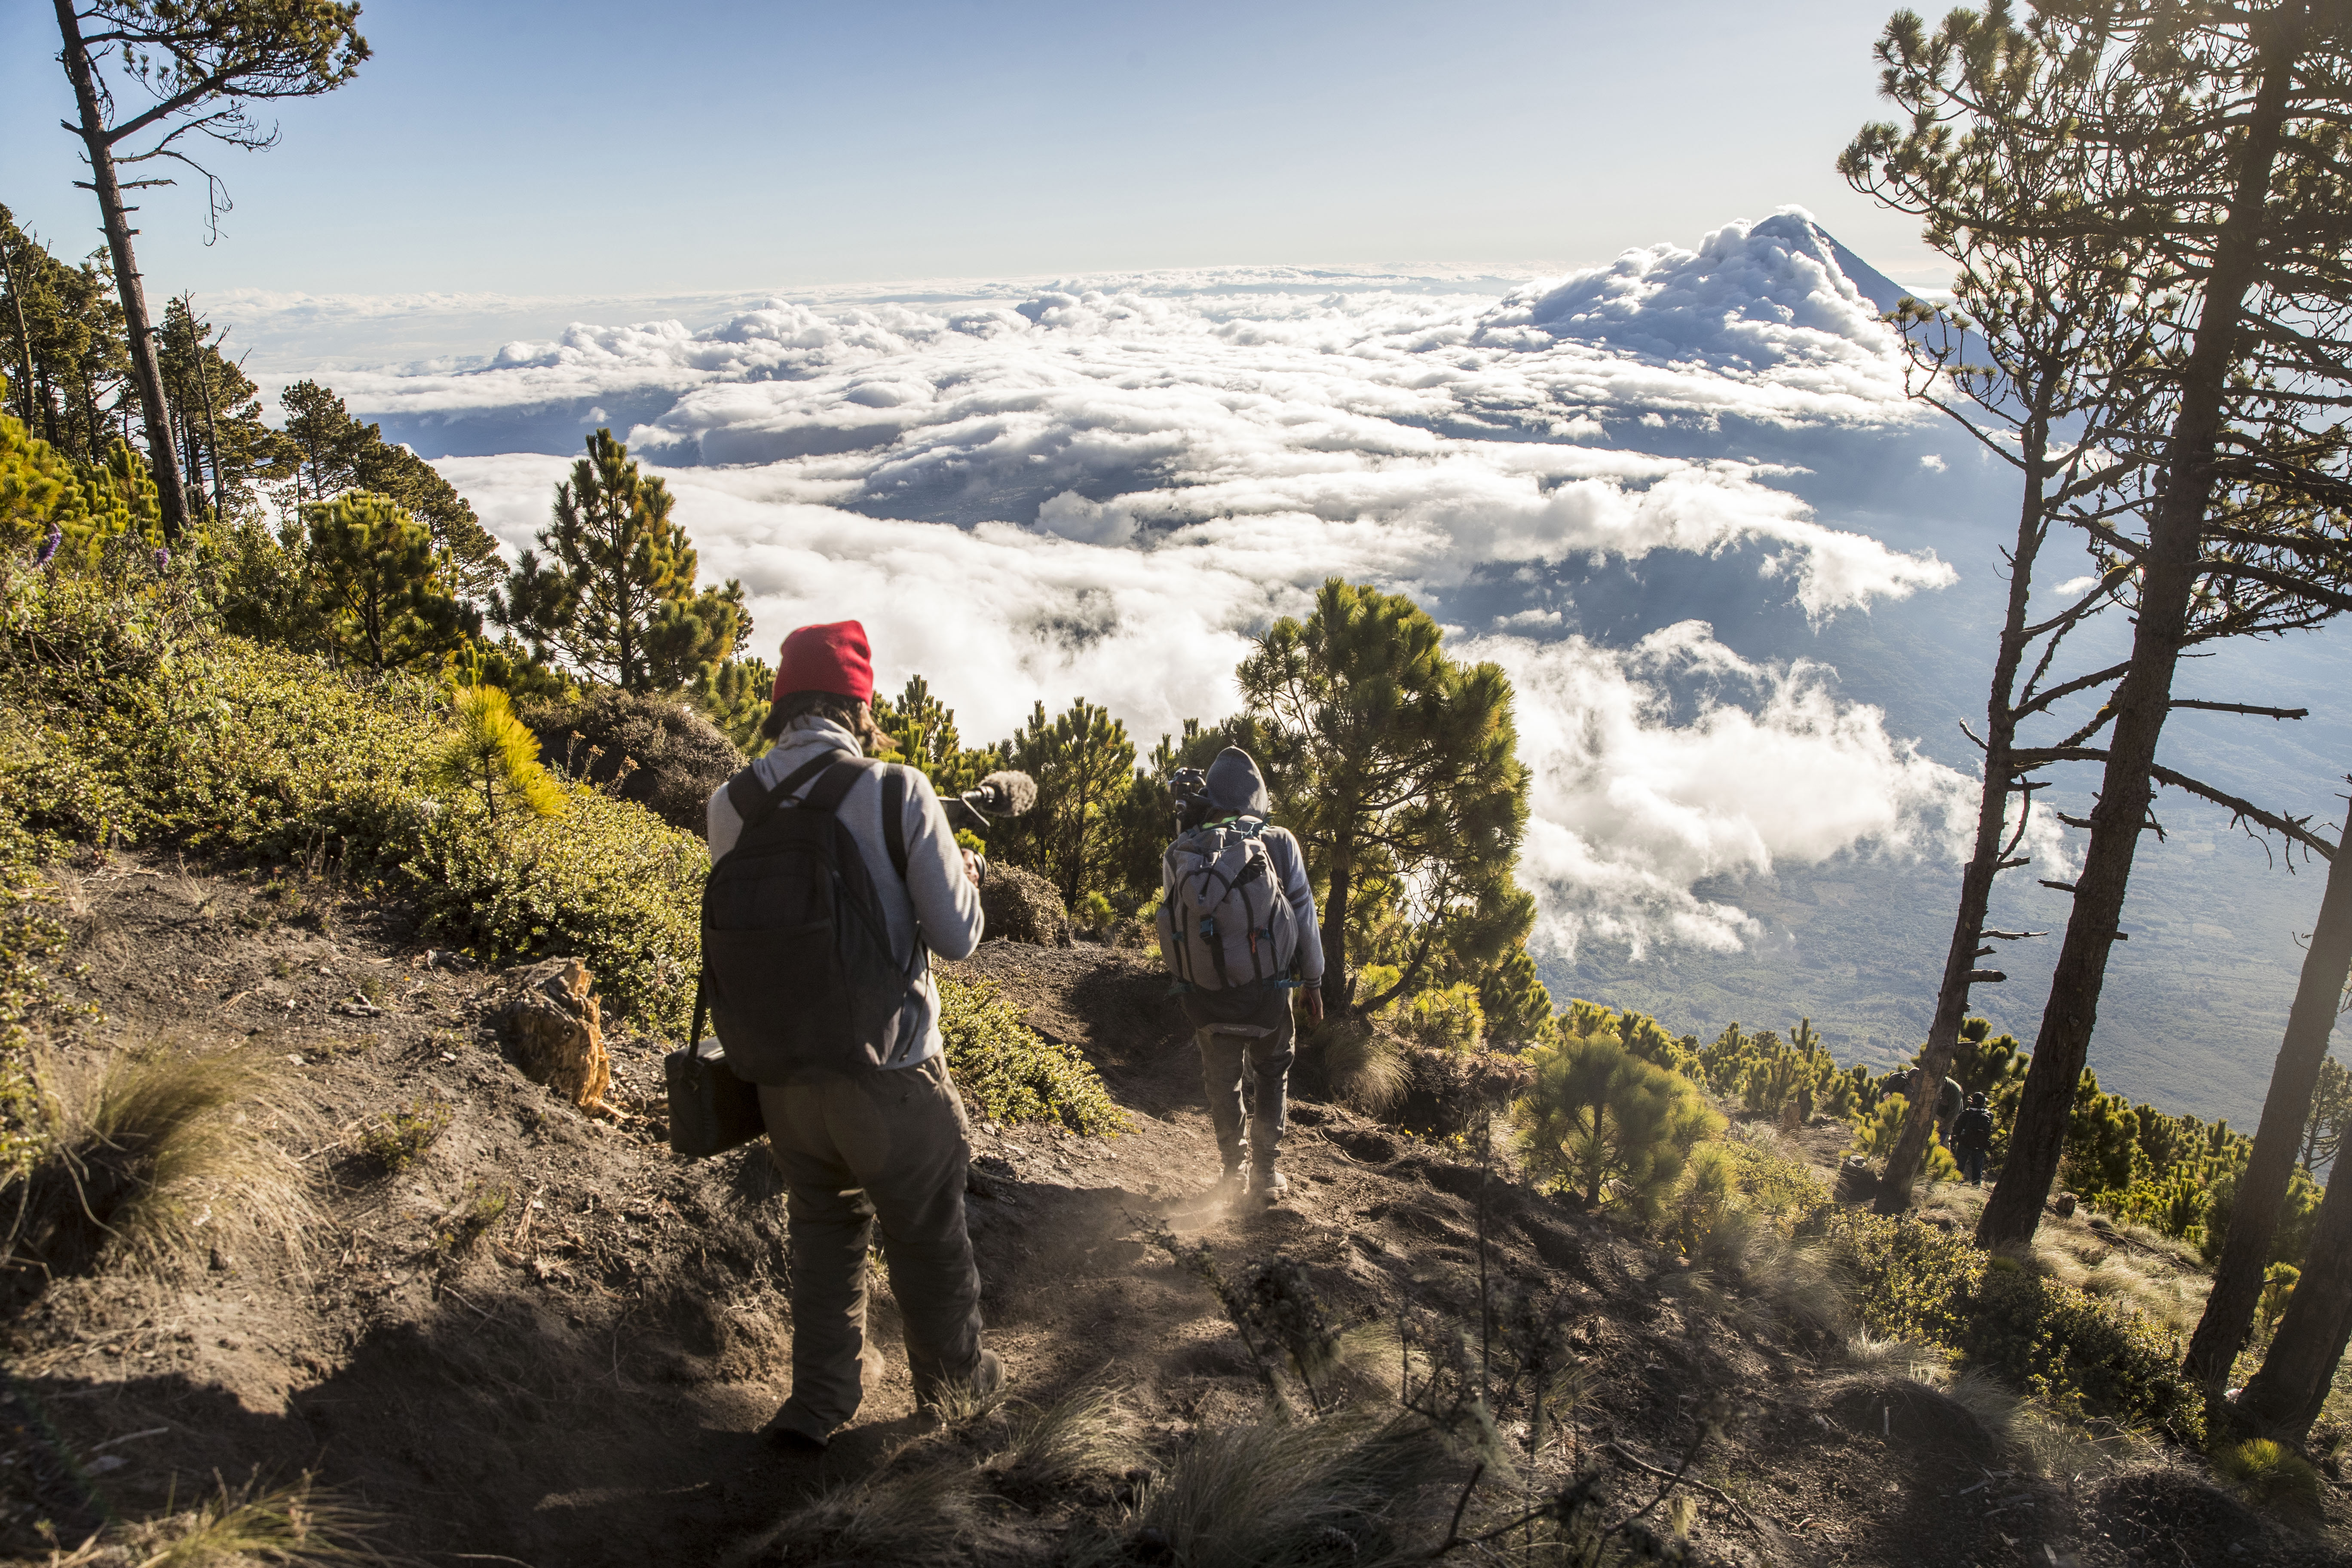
x: 936, y: 892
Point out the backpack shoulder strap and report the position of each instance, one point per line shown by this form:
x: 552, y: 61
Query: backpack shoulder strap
x: 894, y: 815
x: 753, y: 800
x: 840, y: 771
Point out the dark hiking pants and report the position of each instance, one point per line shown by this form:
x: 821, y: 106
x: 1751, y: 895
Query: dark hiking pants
x: 887, y: 1147
x: 1259, y: 1044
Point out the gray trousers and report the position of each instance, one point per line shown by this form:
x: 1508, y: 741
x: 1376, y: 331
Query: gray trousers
x: 888, y: 1147
x: 1261, y: 1046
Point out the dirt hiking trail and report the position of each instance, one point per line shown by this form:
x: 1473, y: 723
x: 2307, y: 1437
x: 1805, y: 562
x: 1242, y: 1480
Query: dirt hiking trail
x: 578, y: 1380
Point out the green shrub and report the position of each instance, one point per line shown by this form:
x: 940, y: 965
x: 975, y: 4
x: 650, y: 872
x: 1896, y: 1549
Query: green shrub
x: 1876, y: 1131
x: 2075, y: 1355
x: 262, y: 755
x: 658, y: 751
x: 2271, y: 1472
x: 395, y: 1138
x: 1444, y: 1020
x: 1604, y: 1124
x: 607, y: 883
x: 1007, y: 1072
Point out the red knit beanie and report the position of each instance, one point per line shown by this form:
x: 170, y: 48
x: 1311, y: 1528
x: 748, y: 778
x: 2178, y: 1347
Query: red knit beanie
x: 826, y: 658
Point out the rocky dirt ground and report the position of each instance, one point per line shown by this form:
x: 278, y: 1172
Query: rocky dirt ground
x: 581, y: 1381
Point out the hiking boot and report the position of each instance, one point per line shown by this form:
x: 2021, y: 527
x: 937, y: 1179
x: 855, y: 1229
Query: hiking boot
x: 1230, y: 1186
x: 1268, y: 1187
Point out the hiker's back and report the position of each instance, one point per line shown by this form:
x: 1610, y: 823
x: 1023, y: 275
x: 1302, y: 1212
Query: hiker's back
x: 1224, y: 924
x: 801, y: 969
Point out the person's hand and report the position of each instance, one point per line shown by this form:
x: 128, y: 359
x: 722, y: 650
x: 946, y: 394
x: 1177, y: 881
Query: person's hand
x: 971, y: 867
x: 1314, y: 1001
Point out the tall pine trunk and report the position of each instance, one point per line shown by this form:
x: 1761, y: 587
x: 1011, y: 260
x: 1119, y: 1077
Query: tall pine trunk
x: 154, y: 411
x: 1992, y: 835
x: 2284, y: 1398
x: 23, y: 338
x: 2169, y: 571
x: 1335, y: 922
x: 2278, y: 1141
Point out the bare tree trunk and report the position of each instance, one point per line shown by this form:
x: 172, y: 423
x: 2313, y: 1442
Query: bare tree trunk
x: 2284, y: 1398
x: 2169, y: 576
x: 2262, y: 1190
x: 149, y: 375
x: 1993, y: 843
x: 23, y: 336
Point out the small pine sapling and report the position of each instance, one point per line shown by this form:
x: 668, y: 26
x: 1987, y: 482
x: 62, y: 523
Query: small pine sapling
x: 492, y: 755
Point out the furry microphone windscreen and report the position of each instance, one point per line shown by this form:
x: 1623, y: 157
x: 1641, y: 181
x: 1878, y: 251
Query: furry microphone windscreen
x: 1009, y: 794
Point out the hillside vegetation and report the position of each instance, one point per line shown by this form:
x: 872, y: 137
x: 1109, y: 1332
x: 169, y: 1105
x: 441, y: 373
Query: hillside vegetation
x: 1560, y: 1284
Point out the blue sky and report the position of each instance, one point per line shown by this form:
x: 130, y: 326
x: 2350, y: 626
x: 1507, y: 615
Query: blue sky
x: 526, y: 148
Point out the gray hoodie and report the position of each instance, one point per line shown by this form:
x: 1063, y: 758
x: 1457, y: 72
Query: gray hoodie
x: 1236, y: 788
x: 936, y: 890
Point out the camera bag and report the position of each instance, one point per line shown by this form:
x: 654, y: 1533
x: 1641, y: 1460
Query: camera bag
x: 710, y: 1110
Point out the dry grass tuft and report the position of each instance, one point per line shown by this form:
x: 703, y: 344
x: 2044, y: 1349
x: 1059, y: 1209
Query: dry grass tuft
x: 1279, y: 1493
x: 1367, y: 1069
x: 1869, y: 1354
x: 915, y: 1516
x: 292, y: 1526
x: 157, y: 1157
x: 1087, y: 1433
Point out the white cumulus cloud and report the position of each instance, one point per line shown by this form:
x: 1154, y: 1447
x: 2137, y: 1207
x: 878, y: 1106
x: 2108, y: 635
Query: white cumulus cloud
x: 1106, y: 487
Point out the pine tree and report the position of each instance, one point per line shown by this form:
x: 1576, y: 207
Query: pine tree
x: 1081, y: 760
x: 735, y: 694
x: 379, y: 584
x: 198, y: 64
x: 2287, y: 1108
x: 1605, y: 1125
x: 492, y: 756
x: 2297, y: 1374
x: 334, y: 452
x: 615, y: 596
x: 2331, y: 1115
x: 1406, y: 766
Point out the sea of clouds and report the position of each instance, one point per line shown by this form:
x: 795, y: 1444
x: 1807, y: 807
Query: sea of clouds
x: 1106, y: 487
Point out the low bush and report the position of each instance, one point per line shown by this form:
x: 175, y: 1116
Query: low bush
x: 1007, y: 1072
x: 2269, y: 1472
x: 1363, y: 1067
x: 656, y: 750
x: 397, y: 1139
x: 1444, y: 1020
x: 2068, y: 1351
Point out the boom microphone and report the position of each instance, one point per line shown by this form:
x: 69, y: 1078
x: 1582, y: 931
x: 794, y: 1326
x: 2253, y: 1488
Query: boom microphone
x: 1003, y: 795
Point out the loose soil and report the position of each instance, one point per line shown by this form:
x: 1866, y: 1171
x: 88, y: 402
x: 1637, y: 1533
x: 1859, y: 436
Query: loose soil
x: 583, y: 1383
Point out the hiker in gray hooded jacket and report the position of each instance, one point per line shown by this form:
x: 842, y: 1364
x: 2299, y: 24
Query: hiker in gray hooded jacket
x: 888, y: 1147
x: 1248, y: 1028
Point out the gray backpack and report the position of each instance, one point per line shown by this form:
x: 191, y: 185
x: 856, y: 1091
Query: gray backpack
x: 1224, y: 923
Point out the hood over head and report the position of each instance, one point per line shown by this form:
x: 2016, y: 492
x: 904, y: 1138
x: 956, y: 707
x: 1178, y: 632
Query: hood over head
x: 1235, y: 787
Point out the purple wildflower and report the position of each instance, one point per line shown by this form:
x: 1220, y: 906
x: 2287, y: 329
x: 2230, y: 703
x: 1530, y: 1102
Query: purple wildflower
x: 49, y: 546
x: 163, y: 558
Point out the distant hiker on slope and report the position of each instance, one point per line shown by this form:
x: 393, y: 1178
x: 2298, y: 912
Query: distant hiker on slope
x: 1972, y: 1139
x: 833, y: 878
x: 1237, y: 916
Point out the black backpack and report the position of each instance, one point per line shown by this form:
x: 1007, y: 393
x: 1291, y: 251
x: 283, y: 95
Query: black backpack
x: 796, y: 960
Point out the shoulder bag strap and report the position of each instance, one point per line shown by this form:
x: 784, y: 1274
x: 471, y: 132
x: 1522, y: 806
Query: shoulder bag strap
x: 701, y: 1009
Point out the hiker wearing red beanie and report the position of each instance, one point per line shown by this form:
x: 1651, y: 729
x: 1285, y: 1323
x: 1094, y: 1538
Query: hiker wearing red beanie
x: 862, y: 1118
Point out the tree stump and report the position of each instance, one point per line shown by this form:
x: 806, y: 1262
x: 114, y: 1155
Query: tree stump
x: 553, y: 1026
